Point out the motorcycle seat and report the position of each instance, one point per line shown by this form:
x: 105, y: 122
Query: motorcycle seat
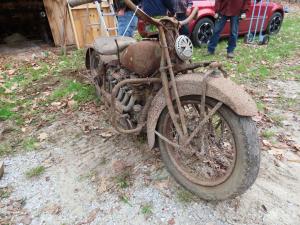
x: 107, y: 45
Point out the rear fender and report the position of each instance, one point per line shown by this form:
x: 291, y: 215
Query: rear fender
x: 219, y: 88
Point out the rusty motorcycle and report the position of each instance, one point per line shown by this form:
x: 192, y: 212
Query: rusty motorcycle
x: 201, y: 121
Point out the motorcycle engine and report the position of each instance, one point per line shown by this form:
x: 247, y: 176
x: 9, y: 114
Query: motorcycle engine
x: 142, y: 58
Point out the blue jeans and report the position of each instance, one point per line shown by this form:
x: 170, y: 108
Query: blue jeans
x: 219, y: 26
x: 123, y: 22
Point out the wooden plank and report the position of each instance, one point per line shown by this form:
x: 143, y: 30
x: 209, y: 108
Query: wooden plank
x: 55, y: 13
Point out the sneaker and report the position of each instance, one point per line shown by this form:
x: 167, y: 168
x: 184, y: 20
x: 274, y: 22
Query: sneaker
x: 230, y: 55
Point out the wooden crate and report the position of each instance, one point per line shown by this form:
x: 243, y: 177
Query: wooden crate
x: 86, y: 24
x: 79, y: 25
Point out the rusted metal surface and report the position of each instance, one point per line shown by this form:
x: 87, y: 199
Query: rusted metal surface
x: 107, y: 45
x: 133, y: 58
x: 219, y: 88
x: 173, y: 84
x: 206, y: 118
x: 113, y: 103
x: 168, y: 100
x: 210, y: 158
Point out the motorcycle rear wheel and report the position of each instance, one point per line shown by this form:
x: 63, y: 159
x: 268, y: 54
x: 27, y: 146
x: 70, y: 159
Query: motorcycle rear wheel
x: 224, y: 158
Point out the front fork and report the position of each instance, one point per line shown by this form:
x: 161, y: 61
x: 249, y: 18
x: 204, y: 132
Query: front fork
x: 179, y: 120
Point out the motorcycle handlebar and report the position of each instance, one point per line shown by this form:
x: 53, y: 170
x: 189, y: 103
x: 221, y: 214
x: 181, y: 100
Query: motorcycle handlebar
x: 141, y: 14
x: 192, y: 16
x: 74, y: 3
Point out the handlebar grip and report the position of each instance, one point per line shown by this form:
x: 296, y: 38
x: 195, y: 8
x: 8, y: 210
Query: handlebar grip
x: 74, y: 3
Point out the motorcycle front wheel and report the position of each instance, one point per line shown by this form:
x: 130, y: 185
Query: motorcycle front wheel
x: 222, y: 161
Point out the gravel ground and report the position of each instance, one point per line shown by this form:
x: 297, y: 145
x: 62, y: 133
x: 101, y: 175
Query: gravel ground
x: 79, y: 185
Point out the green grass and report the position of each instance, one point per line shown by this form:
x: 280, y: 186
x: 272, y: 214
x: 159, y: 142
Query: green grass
x: 5, y: 112
x: 285, y: 102
x: 35, y: 172
x: 28, y: 77
x: 5, y: 192
x: 184, y: 196
x: 5, y: 149
x: 277, y: 119
x: 123, y: 180
x: 81, y: 92
x: 125, y: 200
x: 257, y: 62
x: 268, y: 134
x: 30, y: 144
x: 146, y: 209
x: 260, y: 106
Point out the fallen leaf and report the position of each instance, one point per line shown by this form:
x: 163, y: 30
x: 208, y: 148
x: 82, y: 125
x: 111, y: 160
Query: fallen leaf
x: 56, y: 104
x: 296, y: 147
x: 71, y: 103
x: 119, y: 166
x: 103, y: 185
x: 267, y: 143
x: 54, y: 209
x: 11, y: 72
x: 42, y: 136
x: 26, y: 220
x: 257, y: 118
x: 171, y: 221
x: 277, y: 151
x: 106, y: 134
x: 162, y: 184
x: 91, y: 217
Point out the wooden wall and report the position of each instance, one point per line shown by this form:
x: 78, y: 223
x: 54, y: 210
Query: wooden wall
x: 61, y: 30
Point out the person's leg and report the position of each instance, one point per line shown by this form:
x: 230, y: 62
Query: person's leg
x: 133, y: 27
x: 123, y: 22
x: 234, y: 27
x: 219, y: 26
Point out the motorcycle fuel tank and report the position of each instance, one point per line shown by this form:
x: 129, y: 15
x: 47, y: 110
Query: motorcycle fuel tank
x: 142, y: 58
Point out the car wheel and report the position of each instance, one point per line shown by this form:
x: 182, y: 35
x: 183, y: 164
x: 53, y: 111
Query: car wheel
x: 274, y: 23
x: 202, y: 32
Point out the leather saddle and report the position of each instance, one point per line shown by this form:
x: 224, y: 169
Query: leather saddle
x: 108, y: 46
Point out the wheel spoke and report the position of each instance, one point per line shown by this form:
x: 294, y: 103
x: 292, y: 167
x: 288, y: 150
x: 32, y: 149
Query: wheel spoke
x: 210, y: 156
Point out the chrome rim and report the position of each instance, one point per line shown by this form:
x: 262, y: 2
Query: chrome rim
x: 205, y: 32
x: 275, y: 24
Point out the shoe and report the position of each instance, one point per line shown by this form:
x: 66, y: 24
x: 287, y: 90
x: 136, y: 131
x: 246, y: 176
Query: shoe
x: 230, y: 55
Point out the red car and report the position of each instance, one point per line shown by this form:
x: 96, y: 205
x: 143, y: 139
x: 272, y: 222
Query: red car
x: 201, y: 29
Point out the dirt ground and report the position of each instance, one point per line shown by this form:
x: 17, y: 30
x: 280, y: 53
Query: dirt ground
x: 84, y: 161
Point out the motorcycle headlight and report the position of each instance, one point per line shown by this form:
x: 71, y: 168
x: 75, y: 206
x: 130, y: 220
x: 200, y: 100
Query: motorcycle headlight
x: 184, y: 48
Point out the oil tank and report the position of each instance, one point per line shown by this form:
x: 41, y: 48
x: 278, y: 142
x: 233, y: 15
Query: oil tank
x: 142, y: 58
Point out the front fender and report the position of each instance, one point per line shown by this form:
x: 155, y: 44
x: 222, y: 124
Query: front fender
x: 219, y: 88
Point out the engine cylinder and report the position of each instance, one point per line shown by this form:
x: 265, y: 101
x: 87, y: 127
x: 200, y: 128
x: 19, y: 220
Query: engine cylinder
x: 142, y: 58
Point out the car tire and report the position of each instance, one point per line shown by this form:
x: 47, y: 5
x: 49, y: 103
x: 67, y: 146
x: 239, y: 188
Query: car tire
x: 275, y: 23
x: 202, y: 32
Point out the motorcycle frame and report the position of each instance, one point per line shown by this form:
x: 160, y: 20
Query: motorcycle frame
x: 244, y: 105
